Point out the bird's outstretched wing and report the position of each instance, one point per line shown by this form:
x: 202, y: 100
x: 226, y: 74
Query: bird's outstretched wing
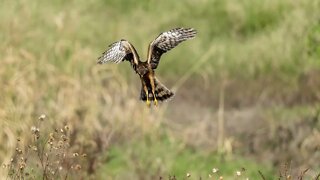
x: 118, y: 52
x: 166, y: 41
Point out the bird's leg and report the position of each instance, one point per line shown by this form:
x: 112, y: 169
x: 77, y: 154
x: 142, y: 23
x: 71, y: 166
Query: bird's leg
x: 147, y: 94
x: 153, y: 89
x: 146, y: 91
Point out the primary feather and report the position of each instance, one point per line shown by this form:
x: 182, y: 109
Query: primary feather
x: 167, y: 41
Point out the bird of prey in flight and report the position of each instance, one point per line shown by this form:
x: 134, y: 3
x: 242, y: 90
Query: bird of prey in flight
x: 152, y: 89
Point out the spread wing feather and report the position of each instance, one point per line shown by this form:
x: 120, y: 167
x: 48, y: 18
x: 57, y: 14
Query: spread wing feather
x: 118, y: 52
x: 167, y: 41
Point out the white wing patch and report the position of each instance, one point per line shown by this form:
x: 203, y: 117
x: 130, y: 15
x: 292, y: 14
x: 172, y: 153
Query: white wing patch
x: 115, y: 53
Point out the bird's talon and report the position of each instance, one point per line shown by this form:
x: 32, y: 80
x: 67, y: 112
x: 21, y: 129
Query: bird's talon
x: 148, y: 103
x: 156, y: 102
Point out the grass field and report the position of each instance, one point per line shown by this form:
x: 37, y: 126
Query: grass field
x: 247, y: 88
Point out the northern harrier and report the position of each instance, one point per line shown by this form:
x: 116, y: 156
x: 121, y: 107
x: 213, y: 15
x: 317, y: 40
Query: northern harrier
x: 152, y: 89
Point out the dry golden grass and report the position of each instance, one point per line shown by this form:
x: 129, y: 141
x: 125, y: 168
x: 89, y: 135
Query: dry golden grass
x: 48, y: 52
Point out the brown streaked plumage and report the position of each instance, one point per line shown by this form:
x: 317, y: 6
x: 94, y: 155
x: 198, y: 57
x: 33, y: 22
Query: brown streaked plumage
x: 152, y: 89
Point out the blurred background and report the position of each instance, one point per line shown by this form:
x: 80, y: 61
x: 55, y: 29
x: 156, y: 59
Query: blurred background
x: 247, y: 87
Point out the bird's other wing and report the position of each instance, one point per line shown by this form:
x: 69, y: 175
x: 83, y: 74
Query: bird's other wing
x: 118, y: 52
x: 166, y: 41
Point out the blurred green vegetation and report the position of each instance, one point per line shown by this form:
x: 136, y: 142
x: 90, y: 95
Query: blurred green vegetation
x: 265, y: 52
x: 151, y: 158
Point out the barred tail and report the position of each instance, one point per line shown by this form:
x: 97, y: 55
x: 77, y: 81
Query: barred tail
x: 162, y: 93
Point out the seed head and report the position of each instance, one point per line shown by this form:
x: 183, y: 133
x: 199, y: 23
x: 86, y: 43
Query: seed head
x: 22, y: 165
x: 34, y: 148
x: 77, y: 167
x: 215, y: 170
x: 66, y: 127
x: 35, y: 131
x: 42, y: 117
x: 60, y: 144
x: 19, y: 151
x: 64, y: 138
